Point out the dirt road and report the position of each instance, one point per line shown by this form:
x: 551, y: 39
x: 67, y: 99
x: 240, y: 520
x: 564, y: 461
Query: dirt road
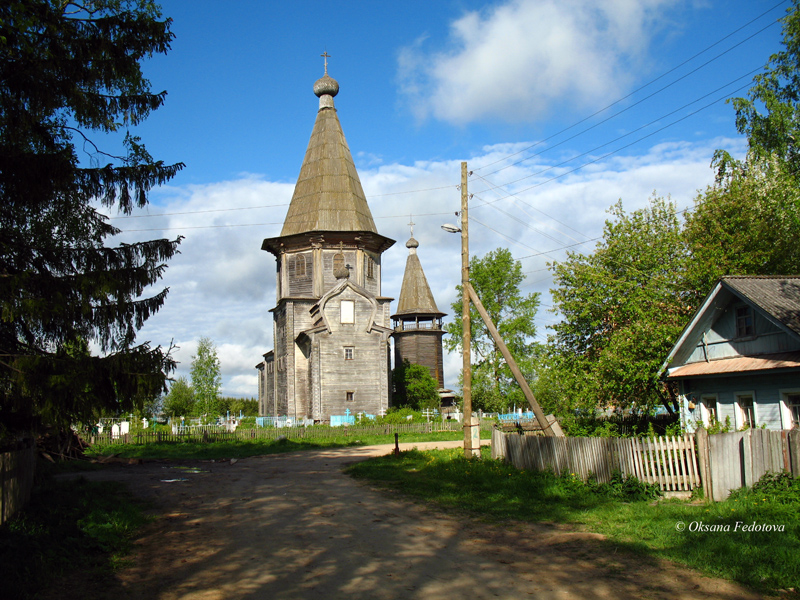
x: 293, y: 526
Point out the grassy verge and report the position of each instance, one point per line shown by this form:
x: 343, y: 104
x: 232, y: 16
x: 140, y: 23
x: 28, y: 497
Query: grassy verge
x: 68, y: 525
x: 716, y: 538
x: 245, y: 448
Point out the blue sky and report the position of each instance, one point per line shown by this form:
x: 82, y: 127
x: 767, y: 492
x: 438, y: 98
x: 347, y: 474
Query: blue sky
x: 517, y: 89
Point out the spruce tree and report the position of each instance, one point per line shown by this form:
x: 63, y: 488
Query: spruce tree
x: 71, y: 305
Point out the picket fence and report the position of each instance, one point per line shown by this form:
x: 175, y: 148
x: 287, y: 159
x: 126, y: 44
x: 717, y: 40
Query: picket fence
x: 670, y: 462
x: 270, y: 433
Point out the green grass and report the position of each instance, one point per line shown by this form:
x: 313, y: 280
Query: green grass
x: 496, y: 491
x: 245, y: 448
x: 67, y: 526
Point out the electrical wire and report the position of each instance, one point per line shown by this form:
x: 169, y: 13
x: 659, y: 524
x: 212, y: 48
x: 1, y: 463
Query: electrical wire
x: 638, y: 90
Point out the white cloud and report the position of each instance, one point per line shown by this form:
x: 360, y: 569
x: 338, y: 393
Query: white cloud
x: 222, y: 285
x: 514, y: 61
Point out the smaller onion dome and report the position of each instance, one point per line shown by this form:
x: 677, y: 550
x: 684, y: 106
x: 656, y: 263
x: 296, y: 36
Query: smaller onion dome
x: 412, y: 243
x: 326, y: 86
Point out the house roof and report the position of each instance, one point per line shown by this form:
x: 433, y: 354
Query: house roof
x: 739, y: 364
x: 328, y: 195
x: 415, y: 293
x: 776, y: 298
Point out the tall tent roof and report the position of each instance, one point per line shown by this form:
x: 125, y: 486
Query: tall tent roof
x: 415, y: 293
x: 328, y: 195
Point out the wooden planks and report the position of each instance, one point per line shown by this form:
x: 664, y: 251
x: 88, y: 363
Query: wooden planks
x: 670, y: 462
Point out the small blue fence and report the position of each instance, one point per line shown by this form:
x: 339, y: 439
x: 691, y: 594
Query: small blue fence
x: 514, y: 417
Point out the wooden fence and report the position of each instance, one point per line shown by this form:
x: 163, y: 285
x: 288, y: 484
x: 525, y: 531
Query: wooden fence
x: 17, y: 470
x: 720, y: 462
x: 740, y: 458
x: 669, y: 462
x: 273, y: 433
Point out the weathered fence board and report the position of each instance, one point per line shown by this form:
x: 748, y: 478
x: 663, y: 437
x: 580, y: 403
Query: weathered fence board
x: 741, y: 458
x: 720, y: 462
x: 16, y: 480
x: 669, y: 462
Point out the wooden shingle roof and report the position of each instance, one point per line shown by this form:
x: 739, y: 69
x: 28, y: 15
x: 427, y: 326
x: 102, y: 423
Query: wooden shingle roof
x: 328, y: 195
x: 415, y: 293
x: 777, y: 296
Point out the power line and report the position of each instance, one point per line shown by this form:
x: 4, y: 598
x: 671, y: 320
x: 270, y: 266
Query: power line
x: 638, y: 90
x: 196, y: 212
x: 621, y: 137
x: 598, y: 159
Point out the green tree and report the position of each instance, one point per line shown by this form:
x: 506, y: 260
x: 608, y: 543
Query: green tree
x: 206, y: 378
x: 67, y: 71
x: 622, y: 307
x: 497, y: 278
x: 180, y: 401
x: 748, y: 223
x: 770, y: 114
x: 414, y: 387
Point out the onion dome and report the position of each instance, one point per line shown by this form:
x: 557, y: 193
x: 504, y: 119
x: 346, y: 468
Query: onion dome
x: 326, y: 86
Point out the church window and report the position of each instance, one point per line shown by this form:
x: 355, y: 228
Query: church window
x: 349, y: 353
x: 338, y: 261
x: 370, y: 267
x: 348, y: 311
x: 300, y: 266
x: 350, y: 396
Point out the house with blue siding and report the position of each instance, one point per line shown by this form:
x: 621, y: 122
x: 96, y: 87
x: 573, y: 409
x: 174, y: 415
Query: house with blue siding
x: 738, y: 359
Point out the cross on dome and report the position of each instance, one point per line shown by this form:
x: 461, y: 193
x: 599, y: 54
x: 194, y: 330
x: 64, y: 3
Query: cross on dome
x: 326, y: 56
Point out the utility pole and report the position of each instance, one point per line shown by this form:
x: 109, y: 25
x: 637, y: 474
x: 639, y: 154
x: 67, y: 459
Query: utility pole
x: 472, y: 440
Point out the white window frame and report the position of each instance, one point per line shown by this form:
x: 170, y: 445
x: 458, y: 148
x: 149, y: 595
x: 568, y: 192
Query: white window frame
x: 738, y: 411
x: 347, y: 312
x: 705, y: 414
x: 352, y: 352
x: 786, y: 413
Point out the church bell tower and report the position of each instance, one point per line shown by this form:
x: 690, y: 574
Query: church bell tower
x: 331, y: 324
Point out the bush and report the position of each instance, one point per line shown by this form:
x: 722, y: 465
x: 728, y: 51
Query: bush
x: 781, y: 488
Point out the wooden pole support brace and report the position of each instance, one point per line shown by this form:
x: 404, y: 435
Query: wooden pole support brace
x: 537, y: 410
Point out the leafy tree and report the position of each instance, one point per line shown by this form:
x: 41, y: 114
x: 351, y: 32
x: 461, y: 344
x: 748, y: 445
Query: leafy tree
x: 245, y: 406
x: 180, y: 401
x: 497, y: 278
x: 770, y: 114
x: 622, y: 308
x: 748, y: 223
x: 68, y: 70
x: 206, y: 378
x: 414, y: 387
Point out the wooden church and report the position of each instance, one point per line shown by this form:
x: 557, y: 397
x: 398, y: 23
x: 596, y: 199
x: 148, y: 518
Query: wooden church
x: 331, y: 324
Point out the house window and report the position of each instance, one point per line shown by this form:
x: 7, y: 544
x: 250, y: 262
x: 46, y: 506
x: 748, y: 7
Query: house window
x: 348, y: 311
x: 744, y: 321
x: 747, y: 411
x: 349, y: 353
x: 791, y: 403
x: 708, y: 410
x: 350, y: 396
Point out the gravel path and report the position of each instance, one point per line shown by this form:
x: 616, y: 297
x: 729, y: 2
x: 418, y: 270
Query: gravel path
x: 292, y: 526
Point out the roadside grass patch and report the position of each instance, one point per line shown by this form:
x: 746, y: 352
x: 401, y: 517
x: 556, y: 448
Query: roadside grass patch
x: 719, y: 539
x: 244, y: 448
x: 68, y: 526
